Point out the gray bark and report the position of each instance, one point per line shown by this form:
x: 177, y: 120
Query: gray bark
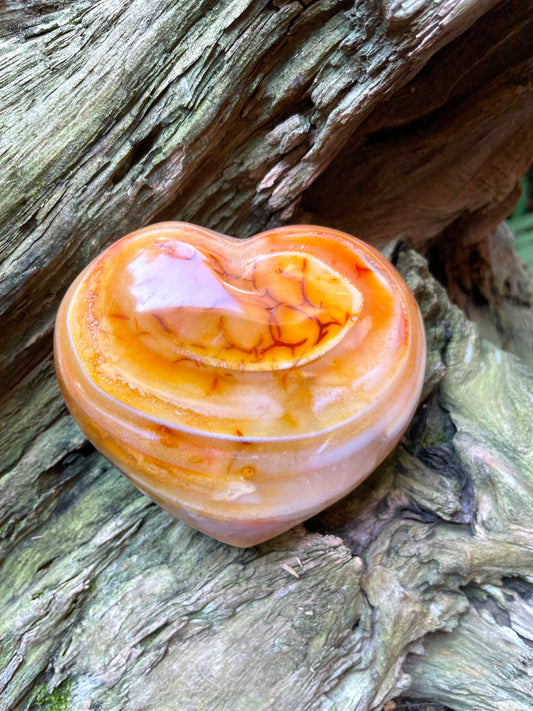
x: 240, y: 116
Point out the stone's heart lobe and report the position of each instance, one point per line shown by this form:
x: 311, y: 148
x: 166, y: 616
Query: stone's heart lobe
x: 243, y: 385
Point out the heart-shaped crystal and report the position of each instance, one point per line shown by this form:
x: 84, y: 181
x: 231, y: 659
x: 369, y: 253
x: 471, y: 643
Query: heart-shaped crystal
x: 243, y: 385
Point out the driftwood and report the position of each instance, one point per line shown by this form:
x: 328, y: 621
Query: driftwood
x: 404, y: 120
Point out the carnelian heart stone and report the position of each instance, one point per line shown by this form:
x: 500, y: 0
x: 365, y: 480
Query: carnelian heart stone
x: 243, y: 385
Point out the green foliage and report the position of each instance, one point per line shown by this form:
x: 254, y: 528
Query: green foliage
x: 521, y: 209
x: 521, y: 221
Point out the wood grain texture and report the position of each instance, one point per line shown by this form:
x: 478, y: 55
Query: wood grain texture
x: 241, y: 116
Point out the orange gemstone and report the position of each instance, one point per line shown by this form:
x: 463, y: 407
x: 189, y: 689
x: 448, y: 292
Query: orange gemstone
x: 243, y: 385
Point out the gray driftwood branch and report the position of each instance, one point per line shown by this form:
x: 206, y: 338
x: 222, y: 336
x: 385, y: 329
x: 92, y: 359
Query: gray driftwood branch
x: 406, y: 120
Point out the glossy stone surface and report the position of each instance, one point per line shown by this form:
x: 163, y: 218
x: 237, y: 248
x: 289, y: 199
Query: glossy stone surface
x: 242, y: 385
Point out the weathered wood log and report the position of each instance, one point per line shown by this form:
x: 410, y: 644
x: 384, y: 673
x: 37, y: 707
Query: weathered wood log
x: 391, y: 118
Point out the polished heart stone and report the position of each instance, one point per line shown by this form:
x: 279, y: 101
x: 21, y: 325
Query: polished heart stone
x: 243, y: 385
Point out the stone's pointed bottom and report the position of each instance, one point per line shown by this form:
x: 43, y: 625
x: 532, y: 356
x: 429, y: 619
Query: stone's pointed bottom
x: 244, y: 533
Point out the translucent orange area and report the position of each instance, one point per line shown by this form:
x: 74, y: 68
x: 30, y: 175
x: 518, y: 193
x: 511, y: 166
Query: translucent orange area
x: 251, y: 339
x: 274, y: 312
x: 243, y: 385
